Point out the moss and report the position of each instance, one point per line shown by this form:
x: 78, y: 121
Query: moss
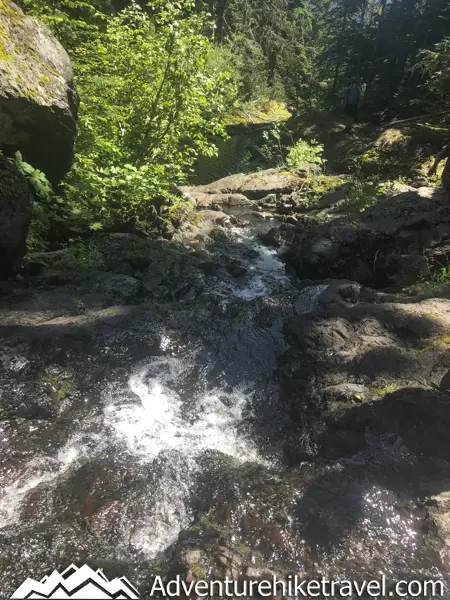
x: 4, y: 55
x: 363, y: 195
x: 243, y: 549
x: 15, y: 15
x: 50, y: 69
x: 439, y: 342
x: 263, y: 112
x: 198, y: 573
x: 322, y: 184
x: 379, y: 392
x: 61, y: 387
x: 44, y: 80
x: 206, y: 522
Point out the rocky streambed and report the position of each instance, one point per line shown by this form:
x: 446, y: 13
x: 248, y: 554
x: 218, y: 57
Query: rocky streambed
x: 188, y: 406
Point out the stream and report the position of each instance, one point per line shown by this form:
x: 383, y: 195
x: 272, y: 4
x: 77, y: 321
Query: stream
x: 173, y: 438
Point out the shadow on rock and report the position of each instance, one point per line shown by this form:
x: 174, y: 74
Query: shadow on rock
x: 395, y: 243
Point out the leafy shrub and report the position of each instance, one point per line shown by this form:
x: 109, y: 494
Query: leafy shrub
x: 303, y: 152
x: 152, y: 97
x: 150, y: 102
x: 273, y: 150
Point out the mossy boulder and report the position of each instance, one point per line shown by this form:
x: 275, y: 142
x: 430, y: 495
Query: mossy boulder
x: 38, y: 100
x: 16, y: 203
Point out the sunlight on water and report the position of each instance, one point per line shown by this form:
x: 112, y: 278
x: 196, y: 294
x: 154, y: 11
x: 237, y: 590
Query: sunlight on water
x: 156, y: 429
x: 40, y: 470
x: 157, y: 424
x: 266, y: 273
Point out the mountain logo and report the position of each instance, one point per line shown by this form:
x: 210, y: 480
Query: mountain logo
x: 81, y: 583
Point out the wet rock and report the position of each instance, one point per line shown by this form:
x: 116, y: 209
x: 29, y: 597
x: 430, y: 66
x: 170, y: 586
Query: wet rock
x: 278, y: 236
x: 130, y: 267
x: 230, y: 562
x: 291, y: 220
x: 434, y: 477
x: 345, y: 392
x: 88, y: 508
x: 210, y: 267
x: 343, y: 442
x: 215, y: 201
x: 106, y: 517
x: 284, y: 208
x: 29, y: 400
x: 38, y: 103
x: 92, y: 288
x: 207, y: 227
x: 16, y: 204
x: 268, y: 201
x: 236, y: 269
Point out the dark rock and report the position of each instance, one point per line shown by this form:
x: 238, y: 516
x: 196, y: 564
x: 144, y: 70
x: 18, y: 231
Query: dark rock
x: 27, y: 400
x: 278, y: 236
x: 210, y: 267
x: 236, y: 269
x: 405, y: 269
x: 335, y: 196
x: 269, y: 200
x: 16, y: 204
x: 38, y: 101
x: 343, y: 442
x: 394, y: 243
x: 355, y: 364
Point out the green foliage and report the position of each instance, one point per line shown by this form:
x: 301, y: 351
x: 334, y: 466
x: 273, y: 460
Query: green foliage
x: 73, y: 21
x: 273, y: 149
x: 435, y: 66
x: 150, y: 101
x: 362, y: 196
x: 304, y: 153
x: 443, y: 275
x: 36, y: 178
x: 153, y: 93
x: 269, y: 44
x: 42, y: 207
x: 280, y: 149
x: 158, y: 79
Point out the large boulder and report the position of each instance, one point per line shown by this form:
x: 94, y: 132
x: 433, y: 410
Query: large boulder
x: 16, y: 203
x: 38, y: 100
x: 394, y: 243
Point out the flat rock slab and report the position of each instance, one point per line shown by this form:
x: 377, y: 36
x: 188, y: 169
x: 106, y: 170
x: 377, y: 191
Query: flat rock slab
x: 207, y: 200
x: 253, y: 186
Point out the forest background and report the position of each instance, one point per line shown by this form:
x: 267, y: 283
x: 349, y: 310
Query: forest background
x: 160, y: 80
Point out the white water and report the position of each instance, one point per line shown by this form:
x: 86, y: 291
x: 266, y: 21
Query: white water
x: 38, y: 471
x: 151, y: 425
x: 153, y: 430
x: 266, y: 273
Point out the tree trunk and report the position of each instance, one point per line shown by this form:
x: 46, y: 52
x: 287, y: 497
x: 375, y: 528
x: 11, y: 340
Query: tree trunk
x: 375, y: 46
x: 272, y: 68
x: 221, y: 8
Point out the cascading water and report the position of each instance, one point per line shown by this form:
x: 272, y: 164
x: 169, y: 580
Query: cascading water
x: 192, y: 434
